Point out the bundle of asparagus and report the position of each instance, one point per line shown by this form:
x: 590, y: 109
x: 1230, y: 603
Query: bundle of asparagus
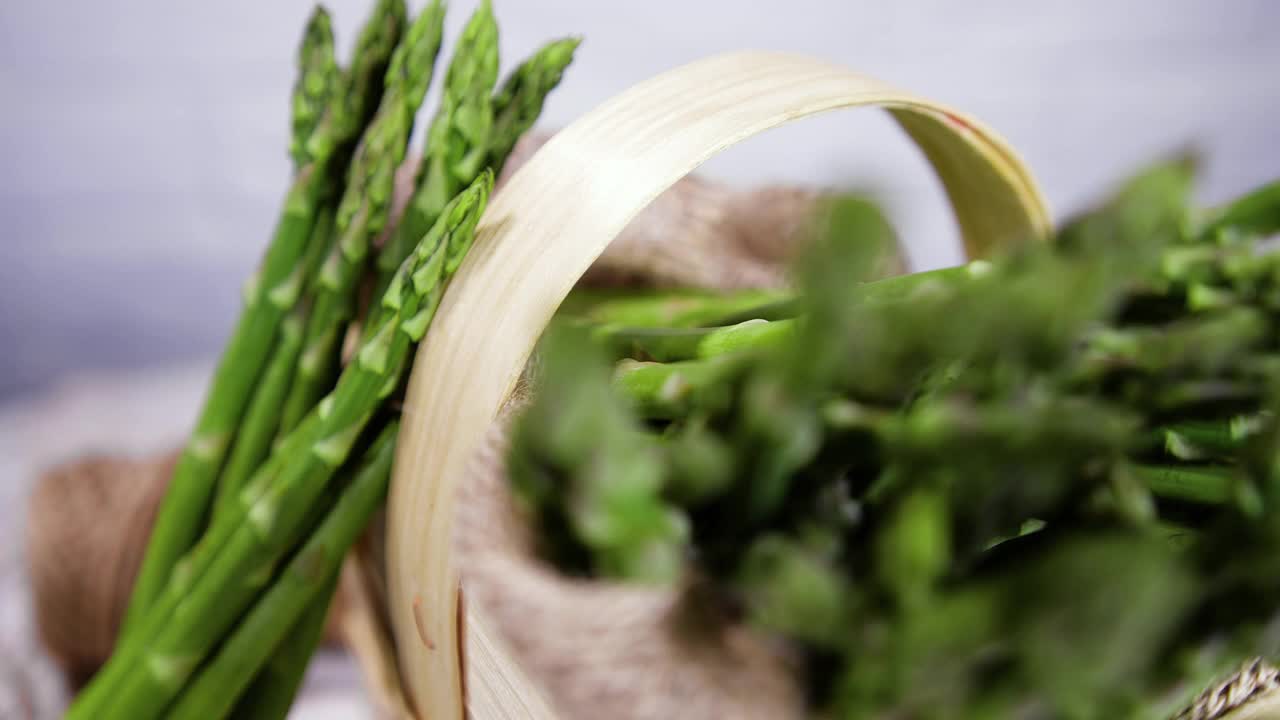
x: 1040, y: 486
x: 292, y: 451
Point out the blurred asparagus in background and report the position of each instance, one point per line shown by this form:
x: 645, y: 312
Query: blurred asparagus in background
x: 1043, y: 485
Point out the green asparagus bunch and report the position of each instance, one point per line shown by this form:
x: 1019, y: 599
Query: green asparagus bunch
x: 238, y: 555
x: 307, y: 578
x: 292, y: 452
x: 363, y: 210
x: 269, y: 297
x: 1044, y: 485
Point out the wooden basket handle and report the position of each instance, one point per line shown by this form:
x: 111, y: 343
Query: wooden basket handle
x: 539, y: 235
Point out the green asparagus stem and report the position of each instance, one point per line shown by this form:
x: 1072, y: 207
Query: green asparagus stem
x: 268, y: 298
x: 674, y: 344
x: 671, y: 390
x: 518, y: 104
x: 669, y: 310
x: 1257, y: 213
x: 318, y: 78
x: 359, y: 94
x: 458, y: 140
x: 361, y: 89
x: 1201, y: 439
x: 684, y: 309
x: 363, y: 210
x: 256, y: 431
x: 1193, y: 483
x: 214, y: 690
x: 227, y: 569
x: 320, y: 83
x: 271, y: 694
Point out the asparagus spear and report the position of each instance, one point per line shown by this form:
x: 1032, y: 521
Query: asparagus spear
x: 518, y: 104
x: 674, y: 344
x: 268, y: 298
x: 671, y: 310
x: 214, y: 690
x: 227, y: 568
x: 253, y: 437
x: 318, y: 77
x: 676, y: 309
x: 273, y: 691
x: 1257, y: 212
x: 458, y: 140
x: 357, y: 96
x: 353, y: 98
x: 319, y: 83
x: 363, y: 210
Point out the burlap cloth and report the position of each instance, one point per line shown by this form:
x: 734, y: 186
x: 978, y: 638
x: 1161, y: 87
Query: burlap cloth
x: 598, y: 649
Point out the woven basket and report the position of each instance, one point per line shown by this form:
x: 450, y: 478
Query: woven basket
x: 538, y: 236
x: 553, y: 218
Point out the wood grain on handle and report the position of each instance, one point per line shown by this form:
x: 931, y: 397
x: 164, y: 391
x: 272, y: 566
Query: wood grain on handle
x: 539, y: 235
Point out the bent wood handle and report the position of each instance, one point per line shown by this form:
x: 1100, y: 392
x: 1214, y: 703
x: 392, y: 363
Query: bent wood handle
x: 538, y: 236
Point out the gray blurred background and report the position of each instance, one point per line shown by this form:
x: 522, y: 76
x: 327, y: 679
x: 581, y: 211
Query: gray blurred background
x: 143, y: 140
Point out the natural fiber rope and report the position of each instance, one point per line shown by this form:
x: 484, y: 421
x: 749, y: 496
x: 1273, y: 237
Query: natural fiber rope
x: 86, y: 529
x: 1249, y: 694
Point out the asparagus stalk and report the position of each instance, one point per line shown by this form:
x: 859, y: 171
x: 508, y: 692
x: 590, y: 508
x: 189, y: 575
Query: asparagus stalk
x: 357, y: 97
x: 672, y: 390
x: 363, y: 210
x: 232, y: 561
x: 458, y: 140
x: 268, y: 298
x: 213, y: 692
x: 318, y: 77
x: 675, y: 344
x: 1257, y: 212
x: 1205, y: 484
x: 668, y: 311
x: 518, y: 104
x: 254, y: 436
x: 319, y: 83
x: 271, y: 694
x: 677, y: 309
x: 273, y: 691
